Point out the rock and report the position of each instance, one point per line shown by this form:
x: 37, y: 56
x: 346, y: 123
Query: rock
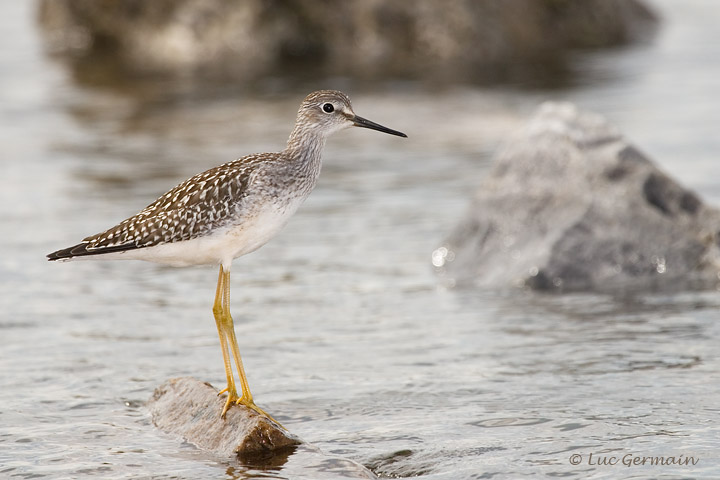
x: 191, y: 409
x: 436, y: 39
x: 570, y: 204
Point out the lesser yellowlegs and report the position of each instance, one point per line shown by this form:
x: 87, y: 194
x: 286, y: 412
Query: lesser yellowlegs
x: 229, y: 211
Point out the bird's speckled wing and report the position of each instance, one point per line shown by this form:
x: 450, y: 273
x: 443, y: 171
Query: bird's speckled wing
x: 200, y: 204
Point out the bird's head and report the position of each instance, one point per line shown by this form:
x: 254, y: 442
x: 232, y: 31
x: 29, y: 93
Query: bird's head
x: 328, y: 111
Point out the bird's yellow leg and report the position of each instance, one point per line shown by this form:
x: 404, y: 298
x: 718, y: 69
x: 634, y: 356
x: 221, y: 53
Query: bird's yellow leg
x: 229, y: 330
x: 229, y: 327
x: 218, y: 313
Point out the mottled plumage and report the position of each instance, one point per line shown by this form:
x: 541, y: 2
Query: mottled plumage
x: 192, y: 209
x: 229, y: 211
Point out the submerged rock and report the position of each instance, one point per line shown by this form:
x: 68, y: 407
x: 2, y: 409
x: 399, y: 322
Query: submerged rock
x: 191, y: 409
x: 490, y: 40
x: 570, y: 204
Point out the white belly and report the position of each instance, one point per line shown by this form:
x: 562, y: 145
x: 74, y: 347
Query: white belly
x: 218, y: 247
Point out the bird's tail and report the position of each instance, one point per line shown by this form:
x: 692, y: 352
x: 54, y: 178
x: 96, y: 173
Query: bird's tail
x: 84, y: 250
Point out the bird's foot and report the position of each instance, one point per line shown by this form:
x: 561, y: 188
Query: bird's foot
x: 251, y: 405
x: 234, y: 399
x: 231, y: 400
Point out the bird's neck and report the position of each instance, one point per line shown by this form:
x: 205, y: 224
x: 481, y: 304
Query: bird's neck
x: 305, y: 146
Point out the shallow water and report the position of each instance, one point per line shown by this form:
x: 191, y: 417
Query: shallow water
x: 347, y: 336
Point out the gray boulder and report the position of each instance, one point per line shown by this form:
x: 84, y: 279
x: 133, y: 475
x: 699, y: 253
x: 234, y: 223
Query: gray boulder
x: 570, y: 204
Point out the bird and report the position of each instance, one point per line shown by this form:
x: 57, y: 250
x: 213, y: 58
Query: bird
x: 229, y: 211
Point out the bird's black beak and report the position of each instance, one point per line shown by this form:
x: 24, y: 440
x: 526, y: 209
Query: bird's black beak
x: 362, y: 122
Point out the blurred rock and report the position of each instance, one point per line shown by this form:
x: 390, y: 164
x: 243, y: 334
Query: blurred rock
x: 429, y: 39
x: 571, y: 205
x: 191, y: 409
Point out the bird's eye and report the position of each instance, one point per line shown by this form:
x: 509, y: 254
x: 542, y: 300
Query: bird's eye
x: 328, y: 108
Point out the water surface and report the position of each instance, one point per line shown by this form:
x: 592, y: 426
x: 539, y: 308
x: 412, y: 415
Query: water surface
x: 347, y: 337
